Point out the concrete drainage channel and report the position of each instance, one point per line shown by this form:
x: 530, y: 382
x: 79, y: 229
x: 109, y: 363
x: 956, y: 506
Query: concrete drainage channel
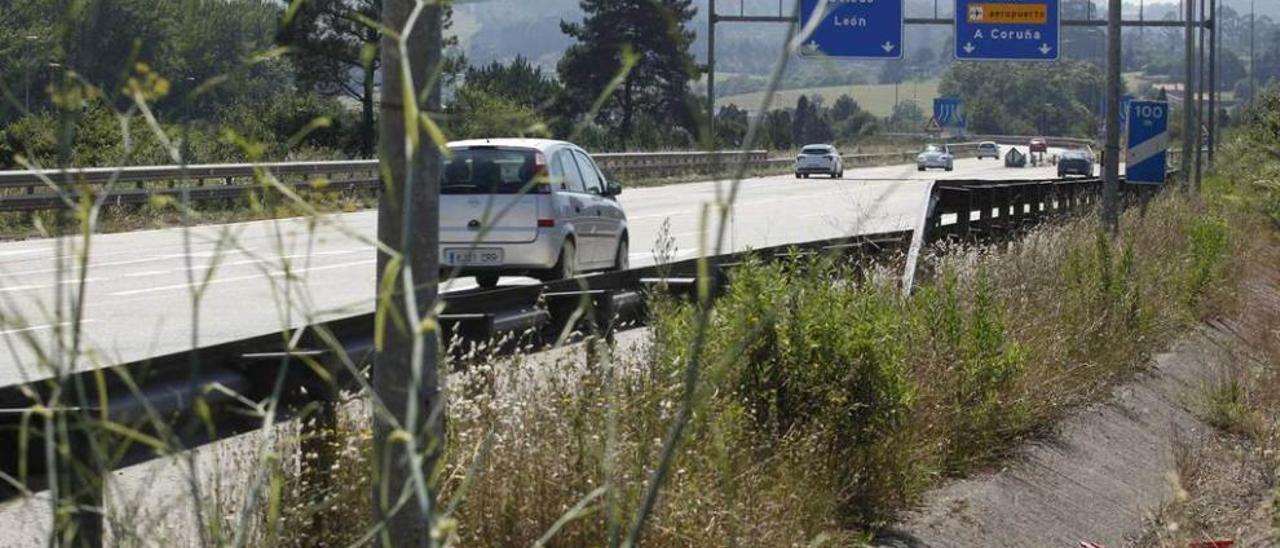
x: 313, y: 365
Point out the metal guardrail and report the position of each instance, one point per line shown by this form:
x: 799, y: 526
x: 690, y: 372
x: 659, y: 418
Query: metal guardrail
x: 987, y: 210
x: 157, y: 398
x: 55, y: 189
x: 1021, y: 140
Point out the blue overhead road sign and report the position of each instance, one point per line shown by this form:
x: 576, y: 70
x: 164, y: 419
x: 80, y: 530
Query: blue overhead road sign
x: 1007, y: 30
x: 1148, y: 142
x: 857, y: 29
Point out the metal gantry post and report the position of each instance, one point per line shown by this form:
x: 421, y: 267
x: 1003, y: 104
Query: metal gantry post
x: 1111, y: 163
x: 1200, y: 87
x: 1188, y: 95
x: 1213, y: 78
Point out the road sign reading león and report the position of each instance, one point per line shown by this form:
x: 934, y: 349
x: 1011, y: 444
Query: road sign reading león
x: 856, y: 29
x: 1148, y: 142
x: 1007, y: 30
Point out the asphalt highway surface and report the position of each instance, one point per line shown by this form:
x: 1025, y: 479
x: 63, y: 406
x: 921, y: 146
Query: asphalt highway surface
x: 142, y: 289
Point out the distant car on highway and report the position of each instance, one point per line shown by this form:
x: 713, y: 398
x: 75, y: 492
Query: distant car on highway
x: 1038, y: 144
x: 528, y: 207
x: 1075, y: 162
x: 935, y: 156
x: 988, y: 149
x: 824, y: 159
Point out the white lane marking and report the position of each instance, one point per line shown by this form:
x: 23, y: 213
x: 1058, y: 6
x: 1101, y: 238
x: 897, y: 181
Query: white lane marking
x: 23, y: 252
x: 148, y: 273
x: 240, y: 278
x: 157, y: 258
x: 42, y: 327
x: 46, y: 286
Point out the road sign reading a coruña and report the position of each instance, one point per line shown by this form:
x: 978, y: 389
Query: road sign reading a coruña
x: 1148, y: 142
x: 854, y: 29
x: 1007, y: 30
x: 949, y: 112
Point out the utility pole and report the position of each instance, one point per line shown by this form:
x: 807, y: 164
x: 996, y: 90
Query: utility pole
x: 1213, y: 78
x: 408, y: 427
x: 1111, y: 152
x: 1189, y: 130
x: 27, y: 80
x: 1253, y: 82
x: 711, y: 68
x: 1199, y: 138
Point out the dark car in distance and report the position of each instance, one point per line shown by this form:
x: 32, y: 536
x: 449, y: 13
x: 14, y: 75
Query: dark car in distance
x: 1075, y: 162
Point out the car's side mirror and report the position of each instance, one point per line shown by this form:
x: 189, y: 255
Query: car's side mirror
x: 612, y: 189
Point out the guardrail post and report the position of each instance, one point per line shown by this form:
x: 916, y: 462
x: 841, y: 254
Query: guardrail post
x: 964, y: 216
x: 78, y: 497
x: 987, y: 202
x: 1035, y: 197
x: 1005, y: 202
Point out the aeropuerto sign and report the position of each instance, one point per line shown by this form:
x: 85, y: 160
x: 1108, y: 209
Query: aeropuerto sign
x: 1007, y: 30
x: 854, y: 29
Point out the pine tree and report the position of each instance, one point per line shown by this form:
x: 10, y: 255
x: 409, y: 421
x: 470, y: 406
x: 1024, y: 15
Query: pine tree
x: 656, y: 33
x: 332, y: 41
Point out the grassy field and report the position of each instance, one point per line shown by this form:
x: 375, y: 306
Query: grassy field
x: 875, y: 98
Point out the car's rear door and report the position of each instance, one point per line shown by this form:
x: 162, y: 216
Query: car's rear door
x: 575, y: 204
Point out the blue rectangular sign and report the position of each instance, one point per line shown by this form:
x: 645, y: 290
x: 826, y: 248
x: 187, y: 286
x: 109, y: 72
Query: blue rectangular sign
x: 860, y: 29
x: 949, y: 112
x: 1007, y: 30
x: 1148, y: 142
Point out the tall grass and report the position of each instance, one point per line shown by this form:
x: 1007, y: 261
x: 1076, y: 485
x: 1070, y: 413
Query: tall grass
x: 830, y: 401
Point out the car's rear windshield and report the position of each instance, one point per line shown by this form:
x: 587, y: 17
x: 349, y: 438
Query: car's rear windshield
x: 816, y: 150
x: 987, y: 145
x: 933, y: 148
x: 488, y: 170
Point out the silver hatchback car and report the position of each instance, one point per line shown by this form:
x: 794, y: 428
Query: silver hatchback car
x: 528, y: 207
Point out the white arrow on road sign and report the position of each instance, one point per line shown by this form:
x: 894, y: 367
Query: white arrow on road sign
x: 968, y: 47
x: 887, y: 47
x: 1045, y: 49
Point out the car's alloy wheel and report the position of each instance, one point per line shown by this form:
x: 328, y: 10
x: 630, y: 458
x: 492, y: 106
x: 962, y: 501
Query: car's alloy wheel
x: 567, y: 266
x: 623, y: 260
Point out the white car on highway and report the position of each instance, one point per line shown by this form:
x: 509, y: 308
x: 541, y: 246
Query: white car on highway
x: 824, y: 159
x: 935, y: 156
x: 988, y: 149
x: 528, y: 207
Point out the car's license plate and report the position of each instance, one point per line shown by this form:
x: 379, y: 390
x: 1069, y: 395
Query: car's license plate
x: 473, y: 257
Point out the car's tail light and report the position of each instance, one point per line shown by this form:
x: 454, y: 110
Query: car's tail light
x: 546, y: 223
x: 541, y: 175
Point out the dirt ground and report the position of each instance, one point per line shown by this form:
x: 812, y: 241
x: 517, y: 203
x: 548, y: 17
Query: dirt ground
x: 1143, y: 467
